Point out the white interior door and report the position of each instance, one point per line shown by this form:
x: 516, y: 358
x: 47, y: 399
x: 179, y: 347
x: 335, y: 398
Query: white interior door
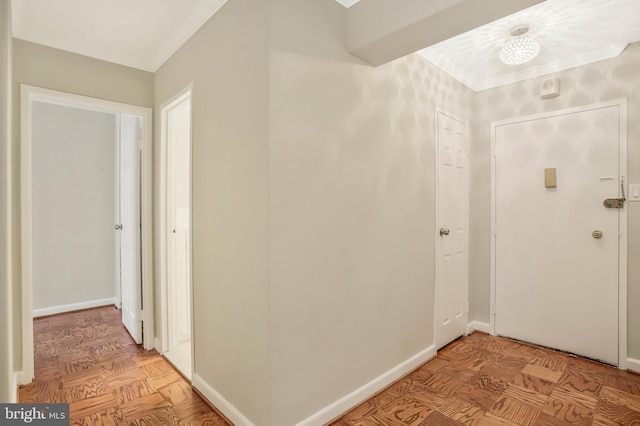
x: 179, y: 122
x: 452, y: 235
x: 557, y: 285
x: 130, y: 223
x: 178, y: 128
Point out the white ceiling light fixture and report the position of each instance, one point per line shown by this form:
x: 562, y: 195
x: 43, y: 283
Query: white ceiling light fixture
x: 519, y: 50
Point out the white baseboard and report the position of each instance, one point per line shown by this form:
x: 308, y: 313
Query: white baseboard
x: 73, y: 307
x: 231, y: 412
x: 478, y: 326
x: 633, y: 364
x: 16, y: 381
x: 349, y: 401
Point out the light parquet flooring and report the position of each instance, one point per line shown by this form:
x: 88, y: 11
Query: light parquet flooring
x: 88, y: 359
x: 491, y: 381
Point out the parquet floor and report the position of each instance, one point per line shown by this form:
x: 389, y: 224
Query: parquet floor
x: 88, y: 359
x: 490, y: 381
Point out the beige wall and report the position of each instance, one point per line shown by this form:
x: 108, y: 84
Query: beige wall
x: 227, y: 62
x: 42, y: 66
x: 597, y: 82
x: 352, y: 209
x: 7, y: 389
x: 73, y: 239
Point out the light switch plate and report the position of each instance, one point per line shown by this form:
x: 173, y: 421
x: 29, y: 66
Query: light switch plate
x: 634, y: 192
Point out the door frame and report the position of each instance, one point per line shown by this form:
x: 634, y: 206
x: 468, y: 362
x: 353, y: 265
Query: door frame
x: 162, y: 342
x: 29, y: 95
x: 436, y: 231
x: 623, y: 362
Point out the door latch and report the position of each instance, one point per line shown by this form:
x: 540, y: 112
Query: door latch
x: 118, y: 227
x: 616, y: 203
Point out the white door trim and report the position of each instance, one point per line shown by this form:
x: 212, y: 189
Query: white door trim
x: 185, y: 93
x: 29, y: 94
x: 622, y: 241
x: 436, y: 234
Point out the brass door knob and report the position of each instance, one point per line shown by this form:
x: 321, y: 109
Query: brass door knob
x: 597, y: 234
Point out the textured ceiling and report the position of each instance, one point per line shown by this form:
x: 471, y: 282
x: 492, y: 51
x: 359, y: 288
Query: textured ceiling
x: 571, y: 33
x: 141, y: 34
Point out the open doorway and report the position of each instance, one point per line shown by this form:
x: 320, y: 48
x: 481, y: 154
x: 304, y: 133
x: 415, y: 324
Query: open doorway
x: 79, y: 157
x: 176, y: 233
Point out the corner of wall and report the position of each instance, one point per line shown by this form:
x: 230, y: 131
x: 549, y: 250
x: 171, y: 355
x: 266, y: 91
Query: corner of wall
x: 215, y: 398
x: 344, y: 404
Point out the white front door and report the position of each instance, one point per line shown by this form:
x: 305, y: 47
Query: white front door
x: 556, y: 281
x: 130, y: 223
x: 452, y: 229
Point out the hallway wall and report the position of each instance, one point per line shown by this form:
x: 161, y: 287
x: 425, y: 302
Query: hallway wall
x: 351, y: 211
x: 49, y: 68
x: 7, y: 385
x: 227, y: 62
x: 601, y: 81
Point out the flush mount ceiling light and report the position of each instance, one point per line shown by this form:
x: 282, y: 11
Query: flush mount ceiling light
x: 519, y: 50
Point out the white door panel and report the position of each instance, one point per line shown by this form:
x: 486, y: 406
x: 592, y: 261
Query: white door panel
x: 129, y: 202
x: 178, y: 122
x: 557, y: 285
x: 182, y: 315
x: 452, y: 243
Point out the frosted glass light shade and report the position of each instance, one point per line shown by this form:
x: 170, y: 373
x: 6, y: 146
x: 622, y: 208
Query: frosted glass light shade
x: 519, y: 51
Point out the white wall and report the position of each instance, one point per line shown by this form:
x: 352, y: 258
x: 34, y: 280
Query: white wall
x: 352, y: 209
x: 227, y: 62
x: 74, y: 205
x: 601, y: 81
x: 7, y: 385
